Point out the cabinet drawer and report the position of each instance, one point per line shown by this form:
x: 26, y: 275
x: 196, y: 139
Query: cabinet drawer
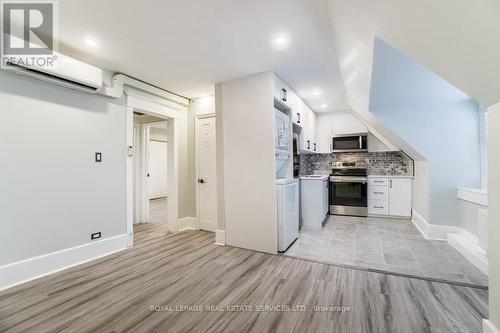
x: 378, y: 207
x: 378, y: 193
x: 378, y: 181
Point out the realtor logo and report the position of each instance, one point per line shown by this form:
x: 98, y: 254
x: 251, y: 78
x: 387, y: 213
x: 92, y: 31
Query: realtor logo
x: 28, y: 31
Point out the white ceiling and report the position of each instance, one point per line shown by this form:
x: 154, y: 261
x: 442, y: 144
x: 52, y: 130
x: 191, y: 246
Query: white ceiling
x: 187, y: 46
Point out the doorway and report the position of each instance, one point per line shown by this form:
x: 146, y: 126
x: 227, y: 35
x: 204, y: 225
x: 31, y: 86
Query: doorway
x: 150, y: 169
x: 151, y: 113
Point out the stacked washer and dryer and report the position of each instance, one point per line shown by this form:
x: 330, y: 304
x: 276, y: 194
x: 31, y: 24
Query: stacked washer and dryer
x: 287, y: 188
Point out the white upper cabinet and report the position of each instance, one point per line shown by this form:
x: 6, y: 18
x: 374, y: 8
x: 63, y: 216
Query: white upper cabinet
x: 324, y: 129
x: 282, y: 91
x: 297, y: 117
x: 346, y: 123
x: 308, y: 141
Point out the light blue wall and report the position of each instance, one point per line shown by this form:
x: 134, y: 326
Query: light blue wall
x: 438, y: 120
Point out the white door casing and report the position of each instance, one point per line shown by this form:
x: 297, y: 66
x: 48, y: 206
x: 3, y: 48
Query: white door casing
x: 206, y: 173
x: 157, y: 169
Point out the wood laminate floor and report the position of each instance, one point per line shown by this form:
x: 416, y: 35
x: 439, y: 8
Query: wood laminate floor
x: 156, y: 285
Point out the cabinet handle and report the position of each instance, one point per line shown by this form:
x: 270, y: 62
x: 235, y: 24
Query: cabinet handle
x: 379, y: 207
x: 285, y: 95
x: 298, y: 117
x: 315, y: 146
x: 390, y: 182
x: 378, y: 192
x: 308, y: 144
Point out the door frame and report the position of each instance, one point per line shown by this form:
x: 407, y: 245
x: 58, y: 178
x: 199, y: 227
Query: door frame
x: 197, y: 163
x: 169, y: 112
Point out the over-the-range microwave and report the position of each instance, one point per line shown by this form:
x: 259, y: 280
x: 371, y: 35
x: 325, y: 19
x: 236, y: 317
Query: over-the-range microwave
x: 350, y: 143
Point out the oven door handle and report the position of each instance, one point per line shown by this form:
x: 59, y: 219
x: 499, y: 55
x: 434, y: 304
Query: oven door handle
x: 348, y: 180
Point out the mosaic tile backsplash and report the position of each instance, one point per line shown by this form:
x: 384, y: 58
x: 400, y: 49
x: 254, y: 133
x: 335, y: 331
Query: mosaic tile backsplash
x: 378, y: 164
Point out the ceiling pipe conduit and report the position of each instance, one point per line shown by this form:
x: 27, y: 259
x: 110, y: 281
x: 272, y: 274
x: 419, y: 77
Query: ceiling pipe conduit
x: 119, y: 82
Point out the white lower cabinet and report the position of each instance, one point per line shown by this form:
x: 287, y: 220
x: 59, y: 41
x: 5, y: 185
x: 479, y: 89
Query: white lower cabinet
x: 389, y: 196
x: 314, y: 200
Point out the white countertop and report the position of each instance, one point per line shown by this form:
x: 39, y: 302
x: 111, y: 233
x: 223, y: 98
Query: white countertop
x: 389, y: 176
x: 315, y: 177
x: 286, y: 181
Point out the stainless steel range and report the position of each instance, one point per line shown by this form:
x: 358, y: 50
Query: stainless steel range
x: 349, y: 189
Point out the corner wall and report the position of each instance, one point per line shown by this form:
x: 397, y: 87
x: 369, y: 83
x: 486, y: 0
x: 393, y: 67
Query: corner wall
x: 245, y: 150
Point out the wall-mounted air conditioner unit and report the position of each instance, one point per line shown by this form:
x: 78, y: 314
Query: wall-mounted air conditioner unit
x: 62, y: 70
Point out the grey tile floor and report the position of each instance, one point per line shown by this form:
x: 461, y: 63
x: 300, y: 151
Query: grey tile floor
x: 386, y: 244
x: 158, y: 212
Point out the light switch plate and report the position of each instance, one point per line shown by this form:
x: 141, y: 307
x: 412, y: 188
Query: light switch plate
x: 98, y: 157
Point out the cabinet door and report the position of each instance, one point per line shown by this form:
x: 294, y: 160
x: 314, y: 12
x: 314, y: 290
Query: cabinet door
x: 305, y: 141
x: 400, y: 197
x: 346, y: 123
x: 324, y: 133
x: 297, y: 117
x: 281, y: 91
x: 326, y: 202
x: 312, y: 129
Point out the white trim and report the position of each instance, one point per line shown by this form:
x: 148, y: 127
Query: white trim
x: 33, y: 268
x: 153, y: 108
x: 465, y: 245
x: 149, y: 106
x: 458, y: 238
x: 433, y: 231
x: 220, y: 237
x: 188, y: 223
x: 488, y: 327
x: 129, y: 162
x: 477, y: 196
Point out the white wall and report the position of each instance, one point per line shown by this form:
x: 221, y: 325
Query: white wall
x: 245, y: 115
x: 437, y: 119
x: 53, y: 193
x: 494, y: 214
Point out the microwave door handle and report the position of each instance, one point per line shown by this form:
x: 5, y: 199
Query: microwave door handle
x: 360, y: 142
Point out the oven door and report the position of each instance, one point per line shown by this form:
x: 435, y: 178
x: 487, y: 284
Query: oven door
x: 349, y: 196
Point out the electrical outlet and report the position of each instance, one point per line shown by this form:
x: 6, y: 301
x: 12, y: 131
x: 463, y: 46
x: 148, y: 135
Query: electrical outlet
x: 98, y: 157
x: 95, y: 235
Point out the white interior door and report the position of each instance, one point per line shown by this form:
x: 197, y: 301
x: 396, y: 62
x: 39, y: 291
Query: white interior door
x: 207, y: 174
x: 157, y: 169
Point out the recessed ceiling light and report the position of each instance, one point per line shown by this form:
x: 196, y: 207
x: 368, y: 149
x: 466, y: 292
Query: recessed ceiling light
x: 317, y: 92
x: 90, y: 42
x: 280, y: 41
x: 324, y: 106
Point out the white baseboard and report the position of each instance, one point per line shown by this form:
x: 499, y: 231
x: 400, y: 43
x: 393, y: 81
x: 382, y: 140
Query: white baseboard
x: 433, y: 231
x: 458, y: 238
x: 488, y: 327
x: 465, y: 245
x: 220, y: 237
x: 188, y: 223
x: 33, y: 268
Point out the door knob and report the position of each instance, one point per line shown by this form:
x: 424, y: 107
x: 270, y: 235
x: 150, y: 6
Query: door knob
x: 201, y: 181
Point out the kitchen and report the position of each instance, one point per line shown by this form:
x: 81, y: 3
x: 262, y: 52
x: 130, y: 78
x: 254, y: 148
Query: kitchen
x: 350, y: 199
